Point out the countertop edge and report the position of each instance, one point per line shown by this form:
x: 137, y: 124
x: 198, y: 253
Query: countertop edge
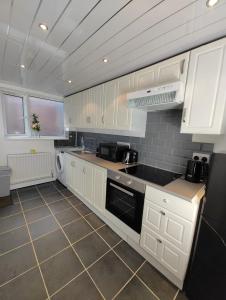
x: 170, y: 188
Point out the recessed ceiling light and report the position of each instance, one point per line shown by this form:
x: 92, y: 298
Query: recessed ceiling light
x: 22, y: 66
x: 211, y: 3
x: 44, y: 27
x: 105, y: 60
x: 69, y: 81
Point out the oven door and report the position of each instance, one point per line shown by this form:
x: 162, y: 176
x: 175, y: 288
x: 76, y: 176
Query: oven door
x: 125, y: 203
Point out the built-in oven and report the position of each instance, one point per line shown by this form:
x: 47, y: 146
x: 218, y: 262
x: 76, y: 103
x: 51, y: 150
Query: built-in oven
x: 125, y: 199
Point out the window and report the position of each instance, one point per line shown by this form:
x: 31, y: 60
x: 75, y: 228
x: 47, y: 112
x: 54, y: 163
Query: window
x: 18, y: 116
x: 50, y: 113
x: 14, y: 111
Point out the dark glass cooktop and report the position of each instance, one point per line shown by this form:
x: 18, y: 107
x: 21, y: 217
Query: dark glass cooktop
x: 151, y: 174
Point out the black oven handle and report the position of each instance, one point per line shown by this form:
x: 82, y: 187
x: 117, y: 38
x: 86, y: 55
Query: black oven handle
x: 121, y: 189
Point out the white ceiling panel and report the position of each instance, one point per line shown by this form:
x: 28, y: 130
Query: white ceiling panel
x: 172, y: 28
x: 104, y: 11
x: 129, y: 37
x: 130, y: 33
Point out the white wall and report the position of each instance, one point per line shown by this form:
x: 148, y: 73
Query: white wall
x: 8, y: 146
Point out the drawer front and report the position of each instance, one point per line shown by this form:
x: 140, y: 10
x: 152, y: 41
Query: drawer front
x: 178, y: 206
x: 175, y: 229
x: 169, y: 256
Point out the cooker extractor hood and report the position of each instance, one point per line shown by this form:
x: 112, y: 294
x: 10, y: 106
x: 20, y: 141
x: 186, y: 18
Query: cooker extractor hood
x: 162, y: 97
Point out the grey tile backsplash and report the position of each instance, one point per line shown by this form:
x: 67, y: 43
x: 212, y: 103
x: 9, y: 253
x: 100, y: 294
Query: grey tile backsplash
x: 163, y: 146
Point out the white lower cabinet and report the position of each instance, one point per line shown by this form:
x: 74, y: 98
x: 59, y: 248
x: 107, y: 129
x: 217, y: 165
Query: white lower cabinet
x: 166, y: 235
x: 99, y: 188
x: 168, y: 255
x: 87, y: 185
x: 87, y: 180
x: 170, y: 226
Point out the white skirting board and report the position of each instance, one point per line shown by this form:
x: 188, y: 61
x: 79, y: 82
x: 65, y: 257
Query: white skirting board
x: 28, y: 169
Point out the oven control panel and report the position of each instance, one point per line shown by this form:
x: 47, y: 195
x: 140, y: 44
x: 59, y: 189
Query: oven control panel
x: 127, y: 180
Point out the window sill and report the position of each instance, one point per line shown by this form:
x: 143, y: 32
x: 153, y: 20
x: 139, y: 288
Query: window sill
x: 12, y: 138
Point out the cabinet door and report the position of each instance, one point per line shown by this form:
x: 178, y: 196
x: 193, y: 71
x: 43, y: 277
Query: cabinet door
x: 145, y: 78
x: 87, y: 184
x: 152, y: 217
x: 98, y: 94
x: 205, y: 93
x: 84, y: 114
x: 150, y: 242
x: 73, y: 173
x: 169, y: 256
x: 68, y: 112
x: 123, y: 114
x: 173, y: 259
x: 68, y: 170
x: 173, y: 69
x: 77, y: 175
x: 109, y: 104
x: 99, y: 188
x: 177, y: 230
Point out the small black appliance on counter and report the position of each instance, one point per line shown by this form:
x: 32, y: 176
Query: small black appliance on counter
x: 130, y: 156
x: 197, y: 171
x: 111, y: 151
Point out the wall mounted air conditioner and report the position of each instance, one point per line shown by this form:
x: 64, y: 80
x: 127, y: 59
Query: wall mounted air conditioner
x: 162, y: 97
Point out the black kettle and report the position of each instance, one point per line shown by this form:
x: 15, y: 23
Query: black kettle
x: 130, y: 156
x: 197, y: 170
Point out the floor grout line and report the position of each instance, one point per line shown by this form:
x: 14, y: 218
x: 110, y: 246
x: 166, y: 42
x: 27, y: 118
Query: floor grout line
x: 86, y: 269
x: 147, y: 286
x: 18, y: 247
x: 19, y: 275
x: 43, y: 280
x: 75, y: 251
x: 122, y: 259
x: 175, y: 296
x: 128, y: 281
x: 14, y: 228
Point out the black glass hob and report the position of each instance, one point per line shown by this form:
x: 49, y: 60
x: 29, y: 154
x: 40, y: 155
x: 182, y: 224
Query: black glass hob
x: 151, y: 174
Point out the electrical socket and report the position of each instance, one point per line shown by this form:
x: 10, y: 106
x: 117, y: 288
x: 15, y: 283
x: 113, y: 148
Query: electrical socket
x: 201, y: 155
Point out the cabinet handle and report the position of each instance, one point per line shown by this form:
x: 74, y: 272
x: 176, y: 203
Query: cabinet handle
x: 159, y: 241
x: 165, y: 200
x: 162, y: 212
x: 102, y: 119
x: 182, y: 66
x: 84, y: 170
x: 184, y: 115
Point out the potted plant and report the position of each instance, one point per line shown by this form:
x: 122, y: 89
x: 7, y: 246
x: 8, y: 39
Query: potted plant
x: 35, y: 125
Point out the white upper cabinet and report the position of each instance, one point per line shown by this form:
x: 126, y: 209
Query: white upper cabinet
x: 109, y: 105
x: 68, y: 112
x: 145, y: 78
x: 173, y: 69
x: 97, y: 96
x: 205, y: 96
x: 72, y: 110
x: 123, y: 114
x: 169, y: 70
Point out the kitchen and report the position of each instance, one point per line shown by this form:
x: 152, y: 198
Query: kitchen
x: 112, y: 138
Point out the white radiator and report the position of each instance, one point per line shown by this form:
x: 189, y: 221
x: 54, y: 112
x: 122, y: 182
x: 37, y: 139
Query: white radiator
x: 30, y: 167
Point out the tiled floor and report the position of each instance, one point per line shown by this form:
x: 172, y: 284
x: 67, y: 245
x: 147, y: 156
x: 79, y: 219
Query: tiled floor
x: 53, y: 247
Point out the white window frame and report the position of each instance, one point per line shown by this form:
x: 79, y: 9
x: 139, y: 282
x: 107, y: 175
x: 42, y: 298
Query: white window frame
x: 28, y: 130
